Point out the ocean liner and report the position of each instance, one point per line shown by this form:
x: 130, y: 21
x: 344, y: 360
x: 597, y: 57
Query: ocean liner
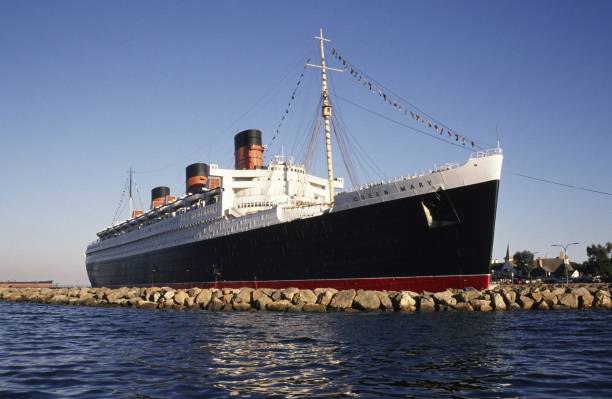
x: 275, y: 225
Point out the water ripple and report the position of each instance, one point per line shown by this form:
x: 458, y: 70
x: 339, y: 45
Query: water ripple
x: 59, y: 351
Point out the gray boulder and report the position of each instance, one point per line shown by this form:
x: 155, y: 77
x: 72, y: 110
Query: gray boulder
x: 525, y: 302
x: 509, y: 296
x: 168, y: 294
x: 227, y: 298
x: 549, y: 297
x: 569, y: 300
x: 536, y: 296
x: 325, y: 297
x: 385, y: 300
x: 216, y: 304
x: 464, y: 307
x: 427, y: 304
x: 314, y: 307
x: 602, y: 299
x: 149, y: 291
x: 133, y: 301
x: 179, y: 297
x: 262, y: 302
x: 343, y: 299
x: 154, y: 296
x: 481, y: 305
x: 585, y: 299
x: 498, y: 302
x: 405, y: 302
x: 258, y: 293
x: 542, y: 306
x: 277, y: 295
x: 242, y: 306
x: 468, y: 295
x: 279, y: 306
x: 295, y: 307
x: 244, y: 296
x: 204, y: 297
x: 16, y: 297
x: 147, y: 305
x: 289, y: 293
x: 366, y: 300
x: 557, y: 291
x: 445, y: 297
x: 305, y: 296
x: 113, y: 296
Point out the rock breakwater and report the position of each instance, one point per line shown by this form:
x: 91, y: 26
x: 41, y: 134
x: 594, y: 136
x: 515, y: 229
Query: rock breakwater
x: 503, y: 298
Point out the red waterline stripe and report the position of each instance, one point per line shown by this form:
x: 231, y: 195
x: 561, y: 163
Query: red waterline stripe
x: 26, y: 285
x: 417, y: 284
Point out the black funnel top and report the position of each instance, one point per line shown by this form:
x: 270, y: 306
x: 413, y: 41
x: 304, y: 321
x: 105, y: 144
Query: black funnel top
x: 247, y: 138
x: 160, y: 192
x: 197, y: 169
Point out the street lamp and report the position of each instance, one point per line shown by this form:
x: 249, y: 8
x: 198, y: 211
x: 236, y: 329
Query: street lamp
x: 153, y: 270
x: 565, y: 259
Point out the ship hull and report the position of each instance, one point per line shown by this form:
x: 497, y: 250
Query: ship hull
x: 390, y: 245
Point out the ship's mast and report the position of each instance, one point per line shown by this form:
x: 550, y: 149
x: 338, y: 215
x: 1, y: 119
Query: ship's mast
x: 326, y: 111
x: 131, y: 204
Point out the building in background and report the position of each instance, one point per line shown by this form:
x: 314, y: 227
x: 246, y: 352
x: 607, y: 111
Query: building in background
x: 559, y: 267
x: 505, y: 269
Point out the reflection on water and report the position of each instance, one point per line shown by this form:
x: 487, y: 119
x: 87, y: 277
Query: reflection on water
x: 71, y: 351
x: 277, y: 355
x: 302, y: 354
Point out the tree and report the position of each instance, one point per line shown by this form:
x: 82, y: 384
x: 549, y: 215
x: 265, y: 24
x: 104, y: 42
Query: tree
x: 600, y: 259
x: 524, y: 261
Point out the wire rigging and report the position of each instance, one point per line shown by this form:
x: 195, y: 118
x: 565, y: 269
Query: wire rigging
x: 392, y: 99
x: 139, y: 197
x: 309, y: 156
x: 261, y: 100
x: 289, y: 104
x: 540, y: 179
x: 346, y: 159
x: 310, y: 115
x: 354, y: 156
x: 120, y: 205
x: 401, y: 123
x: 365, y: 160
x: 401, y: 104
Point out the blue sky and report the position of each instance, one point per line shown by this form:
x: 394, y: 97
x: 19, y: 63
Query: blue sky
x: 88, y: 89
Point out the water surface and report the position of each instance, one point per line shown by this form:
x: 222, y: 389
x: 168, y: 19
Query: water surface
x: 63, y: 351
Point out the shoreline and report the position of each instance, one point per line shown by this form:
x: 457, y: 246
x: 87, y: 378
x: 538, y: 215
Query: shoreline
x: 498, y: 298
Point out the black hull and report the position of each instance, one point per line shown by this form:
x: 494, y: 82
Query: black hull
x: 387, y: 245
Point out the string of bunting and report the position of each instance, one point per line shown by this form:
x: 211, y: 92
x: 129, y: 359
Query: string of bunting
x: 289, y: 104
x: 397, y: 104
x: 120, y: 204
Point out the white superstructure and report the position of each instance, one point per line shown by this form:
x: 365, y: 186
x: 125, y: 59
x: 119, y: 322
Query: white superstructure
x: 281, y: 192
x: 281, y: 182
